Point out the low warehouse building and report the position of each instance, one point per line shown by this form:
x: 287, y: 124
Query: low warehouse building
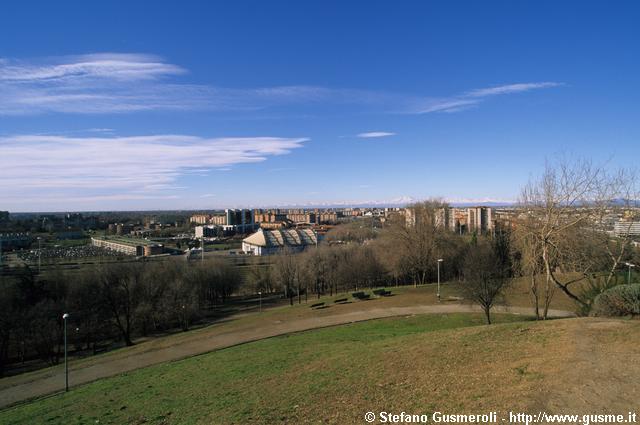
x: 267, y: 242
x: 128, y: 246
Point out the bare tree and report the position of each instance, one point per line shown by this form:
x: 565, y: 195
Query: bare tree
x: 333, y: 258
x: 531, y: 265
x: 313, y: 269
x: 262, y: 278
x: 7, y: 319
x: 486, y: 276
x: 181, y: 302
x: 285, y: 267
x: 563, y: 218
x: 119, y: 289
x: 88, y: 310
x: 419, y: 238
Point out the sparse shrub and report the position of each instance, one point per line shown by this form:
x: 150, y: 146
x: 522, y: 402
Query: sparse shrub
x: 621, y: 300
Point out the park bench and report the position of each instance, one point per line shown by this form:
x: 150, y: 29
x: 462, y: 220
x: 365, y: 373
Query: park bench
x: 360, y: 295
x: 99, y: 349
x: 341, y: 300
x: 382, y: 292
x: 318, y: 305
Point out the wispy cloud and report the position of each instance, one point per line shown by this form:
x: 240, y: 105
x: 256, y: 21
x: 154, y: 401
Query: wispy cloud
x: 116, y: 197
x: 103, y: 167
x: 472, y: 98
x: 511, y: 88
x: 444, y: 105
x: 94, y: 83
x: 375, y: 134
x: 108, y: 66
x: 124, y: 83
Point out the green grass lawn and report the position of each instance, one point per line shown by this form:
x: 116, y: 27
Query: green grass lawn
x: 329, y: 375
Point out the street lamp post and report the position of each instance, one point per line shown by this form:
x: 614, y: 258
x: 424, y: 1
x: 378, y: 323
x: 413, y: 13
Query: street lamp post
x: 260, y: 301
x: 39, y: 253
x: 66, y: 362
x: 440, y: 260
x: 629, y: 265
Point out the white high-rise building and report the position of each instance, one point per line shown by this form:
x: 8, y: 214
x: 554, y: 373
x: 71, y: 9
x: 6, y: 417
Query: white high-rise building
x: 479, y: 219
x: 626, y: 228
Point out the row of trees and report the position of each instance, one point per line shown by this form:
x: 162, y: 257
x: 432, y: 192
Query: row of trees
x: 328, y: 270
x: 108, y: 302
x: 558, y: 237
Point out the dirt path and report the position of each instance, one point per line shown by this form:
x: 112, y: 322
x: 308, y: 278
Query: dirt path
x: 599, y: 373
x: 51, y: 380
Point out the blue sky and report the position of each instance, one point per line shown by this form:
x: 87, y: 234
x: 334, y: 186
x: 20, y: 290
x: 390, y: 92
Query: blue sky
x: 177, y: 105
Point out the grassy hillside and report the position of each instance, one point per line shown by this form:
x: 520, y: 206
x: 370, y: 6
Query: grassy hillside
x: 418, y: 364
x: 248, y: 326
x: 334, y: 374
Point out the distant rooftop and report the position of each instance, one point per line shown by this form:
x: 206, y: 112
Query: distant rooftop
x: 282, y: 238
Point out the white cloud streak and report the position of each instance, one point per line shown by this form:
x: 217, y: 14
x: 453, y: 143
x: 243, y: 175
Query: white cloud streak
x: 107, y: 66
x: 475, y: 97
x: 111, y: 168
x: 375, y: 134
x: 445, y: 105
x: 125, y: 83
x: 511, y: 88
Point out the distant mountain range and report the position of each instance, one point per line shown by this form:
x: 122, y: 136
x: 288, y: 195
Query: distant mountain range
x: 393, y: 203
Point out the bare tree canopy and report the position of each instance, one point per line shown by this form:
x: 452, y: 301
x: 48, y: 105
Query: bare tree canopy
x: 108, y: 302
x: 487, y: 272
x: 561, y: 223
x: 419, y: 238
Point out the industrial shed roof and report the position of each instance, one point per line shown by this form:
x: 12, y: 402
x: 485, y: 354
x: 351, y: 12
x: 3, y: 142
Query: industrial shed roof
x: 282, y: 238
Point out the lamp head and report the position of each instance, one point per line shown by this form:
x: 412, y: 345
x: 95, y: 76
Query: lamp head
x: 65, y: 316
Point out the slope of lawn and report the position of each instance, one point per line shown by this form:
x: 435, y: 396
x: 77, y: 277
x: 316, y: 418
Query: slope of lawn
x: 330, y: 375
x: 404, y: 296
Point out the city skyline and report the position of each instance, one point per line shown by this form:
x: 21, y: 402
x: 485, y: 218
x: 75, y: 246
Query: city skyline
x: 306, y: 105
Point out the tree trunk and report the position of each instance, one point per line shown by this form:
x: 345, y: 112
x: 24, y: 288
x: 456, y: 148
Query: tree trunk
x: 127, y: 339
x: 547, y: 299
x: 534, y: 292
x: 550, y: 277
x: 487, y: 313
